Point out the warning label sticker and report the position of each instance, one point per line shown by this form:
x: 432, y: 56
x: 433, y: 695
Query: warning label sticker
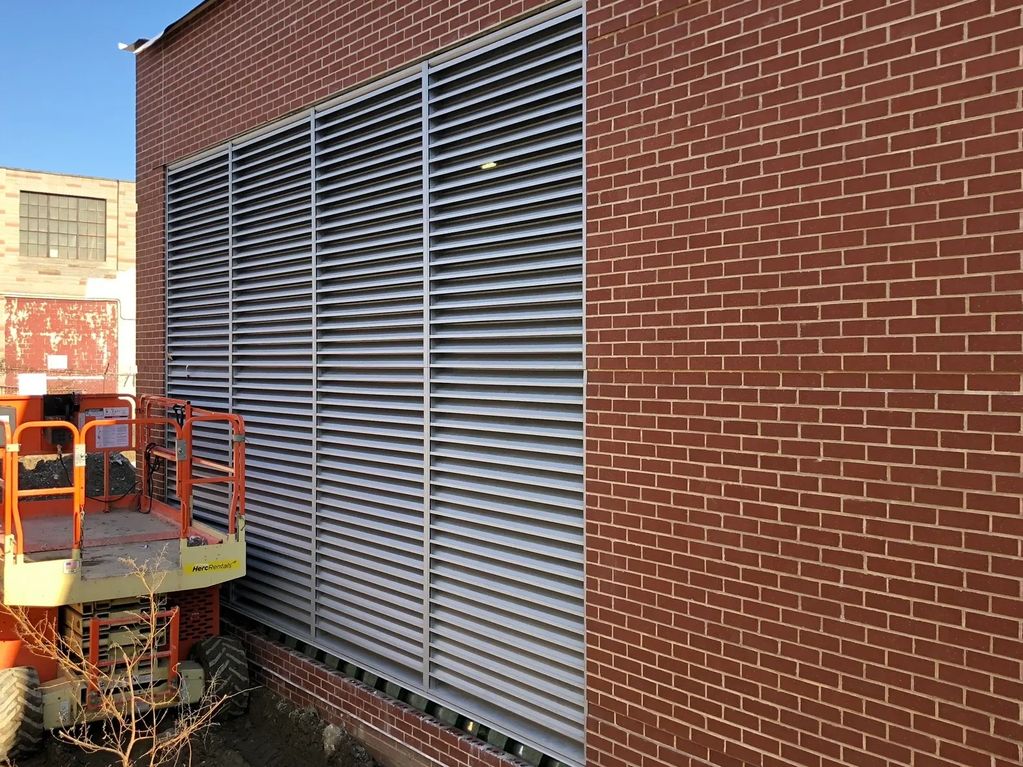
x: 115, y: 437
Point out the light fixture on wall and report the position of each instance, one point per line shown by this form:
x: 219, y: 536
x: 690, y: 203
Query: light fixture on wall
x: 488, y: 165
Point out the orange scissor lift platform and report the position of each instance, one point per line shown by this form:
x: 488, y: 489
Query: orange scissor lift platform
x: 81, y: 555
x: 63, y: 546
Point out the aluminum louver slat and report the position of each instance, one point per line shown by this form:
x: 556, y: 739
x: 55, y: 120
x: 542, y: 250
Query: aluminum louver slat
x: 501, y: 601
x: 506, y: 381
x: 370, y: 265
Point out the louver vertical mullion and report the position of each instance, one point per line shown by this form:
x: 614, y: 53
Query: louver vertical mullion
x: 369, y: 441
x: 272, y: 368
x: 506, y: 374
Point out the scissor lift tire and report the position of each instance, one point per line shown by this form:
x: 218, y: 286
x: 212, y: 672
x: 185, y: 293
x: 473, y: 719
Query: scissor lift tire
x: 227, y: 673
x: 21, y: 712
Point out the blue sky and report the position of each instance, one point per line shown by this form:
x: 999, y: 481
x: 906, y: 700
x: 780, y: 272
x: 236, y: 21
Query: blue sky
x: 67, y: 95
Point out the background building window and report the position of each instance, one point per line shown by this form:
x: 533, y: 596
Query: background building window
x: 59, y: 226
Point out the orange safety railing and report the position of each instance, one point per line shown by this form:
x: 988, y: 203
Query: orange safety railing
x: 179, y: 425
x: 140, y: 424
x: 8, y: 517
x: 231, y: 474
x: 15, y: 494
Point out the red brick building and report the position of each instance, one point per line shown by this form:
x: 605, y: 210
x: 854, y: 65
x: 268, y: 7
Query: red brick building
x: 67, y: 283
x: 803, y: 355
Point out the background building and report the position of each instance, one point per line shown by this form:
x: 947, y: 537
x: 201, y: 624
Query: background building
x: 796, y: 257
x: 67, y: 283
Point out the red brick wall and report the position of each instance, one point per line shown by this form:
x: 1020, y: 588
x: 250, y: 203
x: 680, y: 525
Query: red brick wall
x: 804, y: 355
x: 82, y: 330
x: 240, y: 64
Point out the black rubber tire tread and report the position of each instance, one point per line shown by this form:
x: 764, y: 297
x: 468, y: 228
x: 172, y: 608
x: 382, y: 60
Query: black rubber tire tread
x: 21, y: 712
x: 226, y: 667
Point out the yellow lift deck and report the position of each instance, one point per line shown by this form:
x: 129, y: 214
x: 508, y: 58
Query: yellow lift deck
x: 93, y: 562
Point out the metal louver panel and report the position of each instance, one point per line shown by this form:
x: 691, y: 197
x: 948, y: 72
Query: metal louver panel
x: 199, y: 309
x: 506, y: 375
x: 369, y: 293
x: 272, y: 367
x: 389, y: 290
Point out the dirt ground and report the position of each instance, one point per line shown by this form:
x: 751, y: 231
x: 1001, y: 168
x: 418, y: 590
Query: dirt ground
x: 37, y: 472
x: 273, y: 734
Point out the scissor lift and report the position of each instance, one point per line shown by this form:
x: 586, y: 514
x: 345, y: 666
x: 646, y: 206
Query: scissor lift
x: 73, y: 555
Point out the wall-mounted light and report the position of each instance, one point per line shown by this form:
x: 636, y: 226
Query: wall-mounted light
x: 488, y: 165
